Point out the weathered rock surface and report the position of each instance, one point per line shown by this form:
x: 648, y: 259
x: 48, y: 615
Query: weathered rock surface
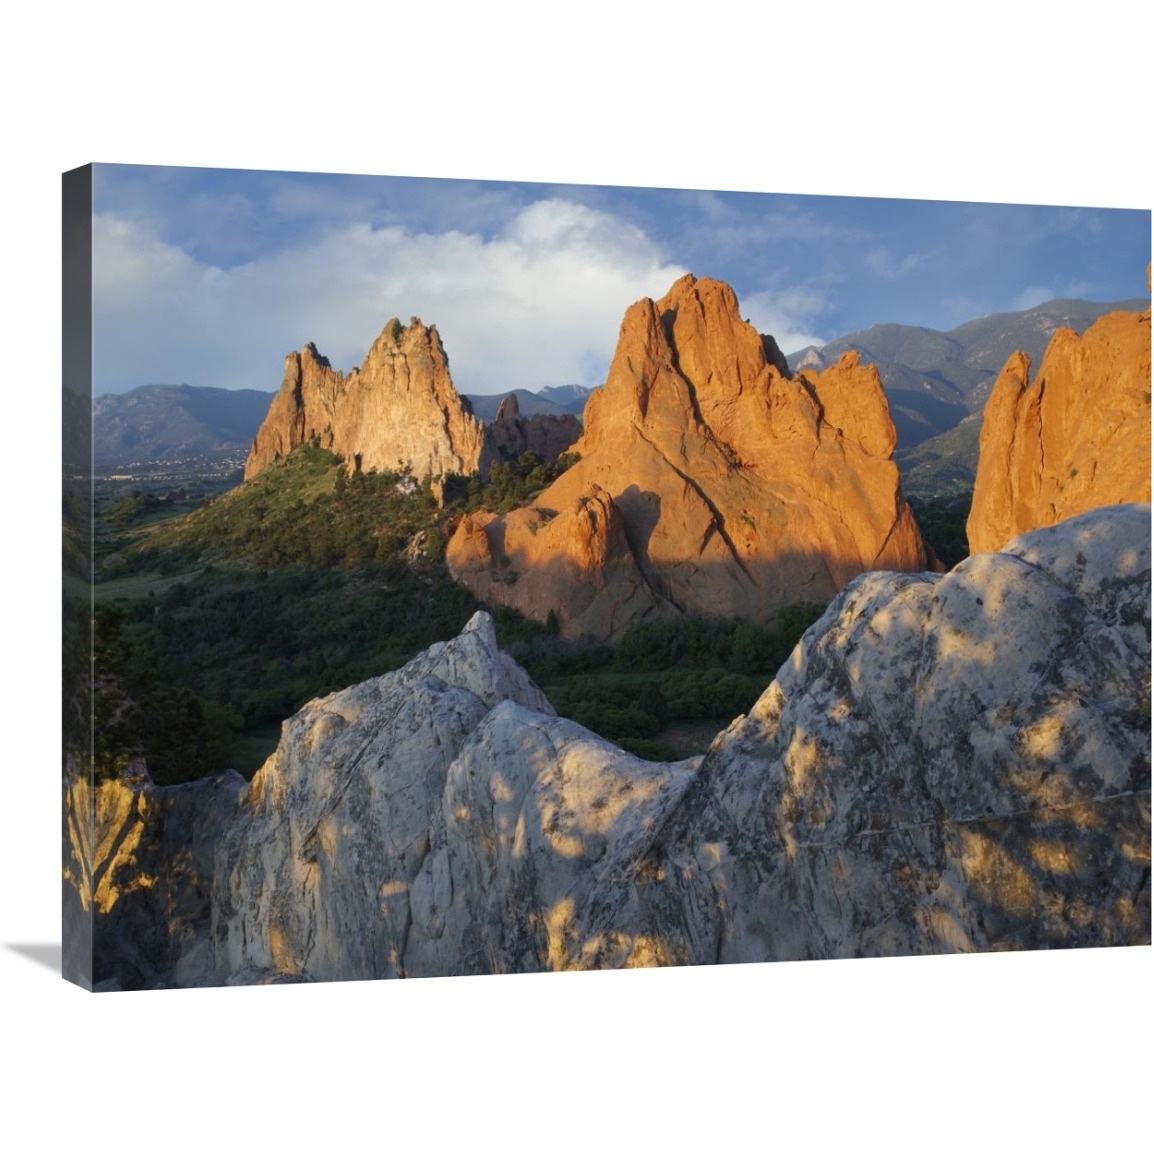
x: 709, y: 482
x: 398, y: 410
x: 946, y: 763
x: 1075, y: 437
x: 547, y: 434
x: 141, y: 874
x: 337, y: 825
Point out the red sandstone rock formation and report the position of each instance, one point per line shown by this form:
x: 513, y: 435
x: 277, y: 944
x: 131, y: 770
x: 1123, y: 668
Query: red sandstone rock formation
x: 709, y: 482
x: 1075, y: 437
x: 398, y: 410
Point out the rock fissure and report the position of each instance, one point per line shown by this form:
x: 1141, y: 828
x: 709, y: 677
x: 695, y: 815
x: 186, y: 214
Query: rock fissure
x: 718, y: 523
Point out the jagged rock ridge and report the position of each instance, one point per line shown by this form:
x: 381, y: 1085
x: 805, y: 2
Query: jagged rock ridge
x: 398, y: 410
x: 547, y: 435
x: 946, y: 763
x: 710, y: 482
x: 934, y: 379
x: 1074, y: 437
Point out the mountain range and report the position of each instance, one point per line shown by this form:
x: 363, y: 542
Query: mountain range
x: 551, y: 401
x: 167, y: 423
x: 934, y: 379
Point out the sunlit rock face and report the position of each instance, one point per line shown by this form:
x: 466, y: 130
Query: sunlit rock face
x: 141, y: 869
x: 1073, y: 437
x: 710, y: 482
x: 318, y: 874
x: 946, y: 763
x: 399, y: 410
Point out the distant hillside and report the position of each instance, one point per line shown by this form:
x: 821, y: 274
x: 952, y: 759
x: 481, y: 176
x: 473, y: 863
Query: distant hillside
x: 570, y: 397
x: 934, y: 379
x: 529, y: 404
x: 168, y: 423
x: 941, y: 465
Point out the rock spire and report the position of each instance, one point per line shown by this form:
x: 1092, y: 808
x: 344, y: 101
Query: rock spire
x: 399, y: 410
x: 1074, y: 437
x: 709, y: 481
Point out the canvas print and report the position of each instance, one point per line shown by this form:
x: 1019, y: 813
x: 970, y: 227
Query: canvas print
x: 472, y: 577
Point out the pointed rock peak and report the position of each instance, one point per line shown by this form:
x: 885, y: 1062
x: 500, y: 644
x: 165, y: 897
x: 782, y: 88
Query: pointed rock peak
x: 681, y: 289
x: 849, y: 359
x: 481, y: 622
x: 396, y: 338
x: 1018, y: 364
x: 509, y: 408
x: 712, y: 299
x: 391, y: 335
x: 707, y: 482
x: 311, y: 353
x: 473, y: 661
x: 1074, y: 438
x: 399, y: 406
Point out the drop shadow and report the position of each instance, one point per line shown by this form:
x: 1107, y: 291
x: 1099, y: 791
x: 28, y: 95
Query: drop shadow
x: 47, y: 954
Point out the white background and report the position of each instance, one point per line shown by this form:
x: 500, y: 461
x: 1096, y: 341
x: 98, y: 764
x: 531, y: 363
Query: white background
x: 973, y: 102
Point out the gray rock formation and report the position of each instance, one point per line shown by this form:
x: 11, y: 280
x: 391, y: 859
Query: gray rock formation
x: 946, y: 763
x: 548, y: 435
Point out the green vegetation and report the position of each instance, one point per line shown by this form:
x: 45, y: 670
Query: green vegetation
x: 221, y: 624
x: 217, y: 625
x: 943, y: 466
x: 135, y: 507
x: 76, y: 622
x: 509, y: 484
x: 662, y: 677
x: 942, y: 521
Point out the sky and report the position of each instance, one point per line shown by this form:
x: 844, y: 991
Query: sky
x: 210, y: 276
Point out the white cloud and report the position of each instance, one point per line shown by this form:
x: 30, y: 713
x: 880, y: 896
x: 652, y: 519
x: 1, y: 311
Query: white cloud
x: 958, y: 308
x: 788, y: 315
x: 539, y: 303
x: 1028, y: 298
x: 890, y: 267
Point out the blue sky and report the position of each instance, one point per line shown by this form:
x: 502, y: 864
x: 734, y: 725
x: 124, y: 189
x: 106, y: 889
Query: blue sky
x: 210, y: 276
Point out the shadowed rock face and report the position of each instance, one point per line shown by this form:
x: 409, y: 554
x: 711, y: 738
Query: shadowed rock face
x: 398, y: 410
x: 709, y: 482
x: 510, y: 434
x: 140, y: 872
x: 1075, y: 437
x: 946, y: 763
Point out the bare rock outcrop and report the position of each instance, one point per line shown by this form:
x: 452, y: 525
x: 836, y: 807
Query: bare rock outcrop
x: 712, y: 481
x: 337, y: 825
x: 1075, y: 437
x: 139, y: 874
x: 946, y: 763
x: 547, y: 435
x: 399, y: 410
